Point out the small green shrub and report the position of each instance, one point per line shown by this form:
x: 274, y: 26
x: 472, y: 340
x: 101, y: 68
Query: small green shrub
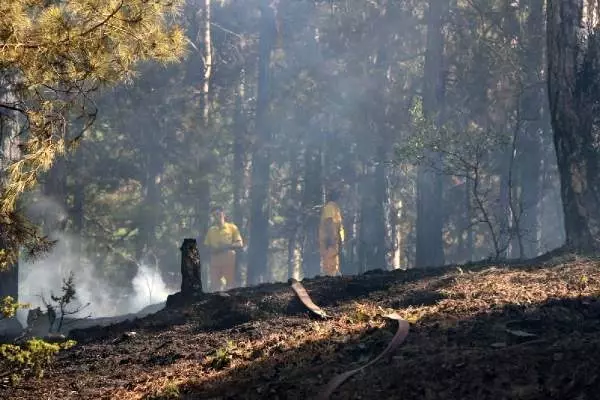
x: 169, y: 392
x: 29, y: 359
x: 222, y: 356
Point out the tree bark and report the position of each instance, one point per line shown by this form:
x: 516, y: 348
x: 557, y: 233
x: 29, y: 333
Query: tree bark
x: 503, y: 220
x: 573, y: 58
x: 373, y: 230
x: 239, y: 167
x: 196, y: 71
x: 532, y: 146
x: 430, y: 218
x: 148, y: 219
x: 261, y: 158
x: 207, y: 61
x: 191, y: 281
x: 294, y: 253
x: 372, y: 241
x: 312, y: 198
x: 351, y: 226
x: 469, y: 218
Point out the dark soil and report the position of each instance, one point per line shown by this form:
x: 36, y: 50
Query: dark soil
x: 477, y: 332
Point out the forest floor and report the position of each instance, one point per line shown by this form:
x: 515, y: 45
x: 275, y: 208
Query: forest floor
x: 528, y: 331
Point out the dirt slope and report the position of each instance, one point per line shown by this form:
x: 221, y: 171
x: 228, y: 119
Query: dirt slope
x: 502, y: 332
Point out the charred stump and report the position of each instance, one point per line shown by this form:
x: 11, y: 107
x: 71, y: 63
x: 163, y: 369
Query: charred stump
x: 191, y: 277
x: 191, y: 280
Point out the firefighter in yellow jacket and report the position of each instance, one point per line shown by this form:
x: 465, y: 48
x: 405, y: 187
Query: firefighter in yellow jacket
x: 222, y: 240
x: 331, y: 235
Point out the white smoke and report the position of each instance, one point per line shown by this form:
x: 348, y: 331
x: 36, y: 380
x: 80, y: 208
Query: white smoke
x: 38, y: 279
x: 149, y: 288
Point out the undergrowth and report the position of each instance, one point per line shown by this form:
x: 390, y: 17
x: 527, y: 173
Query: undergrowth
x: 29, y: 359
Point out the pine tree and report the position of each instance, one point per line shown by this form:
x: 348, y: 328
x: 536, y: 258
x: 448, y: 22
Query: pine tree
x: 53, y: 56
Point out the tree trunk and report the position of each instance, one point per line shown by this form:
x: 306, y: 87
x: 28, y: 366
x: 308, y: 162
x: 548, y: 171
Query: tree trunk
x: 312, y: 198
x: 430, y: 218
x: 202, y: 221
x: 532, y: 145
x: 203, y: 159
x: 239, y: 151
x: 469, y: 245
x: 196, y: 70
x: 261, y: 159
x: 394, y: 229
x: 239, y: 167
x: 503, y: 220
x: 551, y: 232
x: 381, y: 220
x: 372, y: 249
x: 207, y: 61
x: 396, y: 257
x: 148, y: 219
x: 573, y: 58
x: 351, y: 224
x: 294, y: 254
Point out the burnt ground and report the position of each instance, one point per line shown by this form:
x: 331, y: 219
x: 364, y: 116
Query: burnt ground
x: 529, y: 331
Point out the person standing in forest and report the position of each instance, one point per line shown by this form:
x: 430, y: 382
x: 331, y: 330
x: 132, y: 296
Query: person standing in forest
x: 331, y: 235
x: 222, y: 240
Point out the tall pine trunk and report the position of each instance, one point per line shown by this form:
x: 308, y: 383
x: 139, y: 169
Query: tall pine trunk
x: 261, y: 157
x: 202, y: 158
x: 430, y: 218
x: 294, y: 255
x: 574, y: 93
x: 312, y: 198
x: 530, y: 172
x: 239, y: 152
x: 372, y: 235
x: 470, y: 219
x: 207, y: 61
x: 503, y: 220
x: 148, y: 219
x: 382, y: 216
x: 239, y: 167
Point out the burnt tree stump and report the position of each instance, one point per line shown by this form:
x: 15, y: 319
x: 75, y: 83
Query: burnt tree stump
x: 191, y: 279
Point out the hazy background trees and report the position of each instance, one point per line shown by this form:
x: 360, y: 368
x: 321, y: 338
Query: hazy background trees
x: 431, y: 116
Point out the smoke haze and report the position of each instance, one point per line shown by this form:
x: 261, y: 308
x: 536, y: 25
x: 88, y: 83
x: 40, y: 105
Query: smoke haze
x: 40, y: 278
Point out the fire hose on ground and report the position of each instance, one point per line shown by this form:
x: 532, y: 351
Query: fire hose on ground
x: 336, y: 381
